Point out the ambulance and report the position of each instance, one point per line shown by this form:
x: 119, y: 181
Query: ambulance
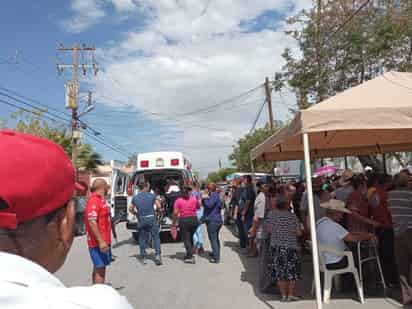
x: 166, y: 172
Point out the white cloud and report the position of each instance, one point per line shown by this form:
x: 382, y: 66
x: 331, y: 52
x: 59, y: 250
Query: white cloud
x: 86, y: 13
x: 191, y: 54
x: 124, y: 5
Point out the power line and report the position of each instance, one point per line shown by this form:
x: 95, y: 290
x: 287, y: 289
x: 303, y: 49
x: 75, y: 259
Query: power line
x: 205, y: 109
x: 38, y: 114
x: 240, y: 105
x: 224, y: 102
x: 44, y: 110
x: 107, y: 145
x: 138, y: 113
x: 40, y: 110
x: 33, y: 100
x: 173, y: 119
x: 349, y: 18
x: 257, y: 117
x: 57, y: 116
x: 178, y: 120
x: 118, y: 146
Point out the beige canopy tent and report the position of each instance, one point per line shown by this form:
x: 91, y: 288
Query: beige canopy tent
x: 374, y: 117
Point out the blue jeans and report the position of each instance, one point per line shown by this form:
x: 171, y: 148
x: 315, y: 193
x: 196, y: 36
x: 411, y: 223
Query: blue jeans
x: 247, y: 225
x: 148, y: 226
x: 197, y: 237
x: 241, y: 232
x: 213, y: 229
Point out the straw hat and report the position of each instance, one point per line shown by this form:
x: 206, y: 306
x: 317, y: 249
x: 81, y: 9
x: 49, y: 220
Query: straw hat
x: 335, y: 205
x: 346, y: 177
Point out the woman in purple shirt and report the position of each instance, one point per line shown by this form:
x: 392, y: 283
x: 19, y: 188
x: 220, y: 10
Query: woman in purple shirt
x: 213, y: 218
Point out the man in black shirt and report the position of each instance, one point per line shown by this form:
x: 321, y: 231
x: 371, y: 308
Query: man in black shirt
x: 248, y: 197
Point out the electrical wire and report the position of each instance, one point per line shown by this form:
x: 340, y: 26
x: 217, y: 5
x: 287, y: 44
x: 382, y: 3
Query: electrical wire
x: 94, y: 138
x: 136, y: 112
x: 40, y: 110
x: 257, y: 117
x: 343, y: 25
x: 224, y: 102
x: 131, y: 122
x: 44, y: 110
x: 37, y: 114
x: 33, y: 101
x: 170, y: 118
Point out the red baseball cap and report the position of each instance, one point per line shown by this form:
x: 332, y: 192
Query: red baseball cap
x: 36, y: 178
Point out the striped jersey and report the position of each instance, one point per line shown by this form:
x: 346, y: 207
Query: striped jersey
x: 400, y: 205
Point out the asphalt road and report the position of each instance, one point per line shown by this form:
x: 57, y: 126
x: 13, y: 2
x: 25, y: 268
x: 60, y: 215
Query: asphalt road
x: 176, y: 285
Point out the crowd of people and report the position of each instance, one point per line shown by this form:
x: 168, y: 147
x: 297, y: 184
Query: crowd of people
x: 348, y: 208
x: 37, y: 218
x: 192, y: 207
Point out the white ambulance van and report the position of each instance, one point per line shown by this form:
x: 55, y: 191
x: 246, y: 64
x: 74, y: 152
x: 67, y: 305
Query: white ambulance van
x: 165, y: 171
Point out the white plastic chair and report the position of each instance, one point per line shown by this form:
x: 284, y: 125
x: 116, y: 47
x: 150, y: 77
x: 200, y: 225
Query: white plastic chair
x: 329, y: 274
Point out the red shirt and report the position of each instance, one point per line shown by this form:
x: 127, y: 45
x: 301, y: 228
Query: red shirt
x: 382, y: 213
x: 99, y: 210
x: 358, y: 203
x: 187, y: 208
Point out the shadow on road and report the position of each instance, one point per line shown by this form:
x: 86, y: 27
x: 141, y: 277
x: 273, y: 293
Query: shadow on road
x: 251, y: 275
x: 129, y: 241
x: 177, y: 256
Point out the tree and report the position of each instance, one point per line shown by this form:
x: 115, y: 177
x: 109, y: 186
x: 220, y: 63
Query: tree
x: 33, y: 124
x: 240, y: 157
x: 346, y: 49
x: 220, y: 175
x: 87, y: 159
x: 132, y: 160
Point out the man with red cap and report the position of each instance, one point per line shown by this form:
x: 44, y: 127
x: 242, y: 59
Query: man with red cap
x: 37, y: 218
x: 98, y: 227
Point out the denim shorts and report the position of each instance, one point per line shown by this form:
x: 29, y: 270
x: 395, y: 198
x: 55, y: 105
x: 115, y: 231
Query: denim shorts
x: 100, y: 259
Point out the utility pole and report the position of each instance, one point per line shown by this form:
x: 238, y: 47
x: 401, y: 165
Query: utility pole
x: 268, y: 92
x: 72, y: 89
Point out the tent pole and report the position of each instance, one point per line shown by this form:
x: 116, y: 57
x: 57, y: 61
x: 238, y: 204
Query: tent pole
x: 315, y: 257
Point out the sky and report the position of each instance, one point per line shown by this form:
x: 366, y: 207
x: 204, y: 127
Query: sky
x: 161, y: 63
